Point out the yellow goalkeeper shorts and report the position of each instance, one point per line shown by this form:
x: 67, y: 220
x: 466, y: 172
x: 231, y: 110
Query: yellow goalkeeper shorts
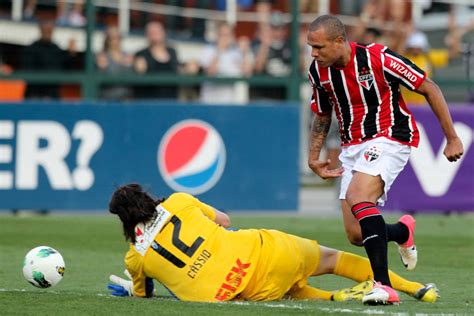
x: 286, y: 261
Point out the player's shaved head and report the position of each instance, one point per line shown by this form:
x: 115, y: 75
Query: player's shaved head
x: 331, y: 25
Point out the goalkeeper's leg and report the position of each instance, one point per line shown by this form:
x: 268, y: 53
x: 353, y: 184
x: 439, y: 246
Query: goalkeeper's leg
x: 358, y: 269
x: 307, y: 292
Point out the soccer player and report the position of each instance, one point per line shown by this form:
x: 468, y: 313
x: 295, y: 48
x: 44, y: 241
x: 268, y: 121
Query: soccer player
x: 183, y: 243
x: 362, y: 85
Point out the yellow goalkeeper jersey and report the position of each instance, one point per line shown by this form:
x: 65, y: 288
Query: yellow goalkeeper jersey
x: 192, y: 256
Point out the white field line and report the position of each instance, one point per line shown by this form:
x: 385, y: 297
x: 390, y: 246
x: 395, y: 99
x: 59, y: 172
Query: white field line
x: 325, y: 309
x: 267, y: 305
x: 368, y: 311
x: 64, y: 292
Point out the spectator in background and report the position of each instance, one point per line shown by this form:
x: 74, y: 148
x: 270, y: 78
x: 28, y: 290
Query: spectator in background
x: 45, y: 55
x: 184, y: 27
x: 389, y: 17
x: 226, y: 59
x: 5, y: 69
x: 158, y: 57
x: 65, y: 17
x: 272, y: 55
x: 71, y: 16
x: 309, y: 6
x: 241, y: 4
x: 113, y: 61
x: 264, y: 9
x: 273, y: 51
x: 460, y: 38
x: 371, y: 35
x: 460, y: 42
x: 417, y: 47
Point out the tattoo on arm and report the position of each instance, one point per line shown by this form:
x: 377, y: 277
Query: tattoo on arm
x: 321, y: 125
x: 319, y: 131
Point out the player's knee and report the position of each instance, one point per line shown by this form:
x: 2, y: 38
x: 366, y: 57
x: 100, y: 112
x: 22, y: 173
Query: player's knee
x: 353, y: 232
x: 359, y: 192
x: 353, y: 197
x: 331, y: 260
x: 354, y: 236
x: 327, y: 262
x: 356, y: 241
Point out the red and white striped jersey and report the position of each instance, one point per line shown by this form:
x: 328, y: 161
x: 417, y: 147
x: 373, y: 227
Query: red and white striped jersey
x: 365, y: 95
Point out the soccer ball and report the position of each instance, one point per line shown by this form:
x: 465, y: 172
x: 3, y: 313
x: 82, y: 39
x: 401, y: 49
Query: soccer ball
x: 43, y: 267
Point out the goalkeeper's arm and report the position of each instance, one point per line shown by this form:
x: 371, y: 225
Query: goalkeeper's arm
x: 222, y: 219
x: 123, y: 287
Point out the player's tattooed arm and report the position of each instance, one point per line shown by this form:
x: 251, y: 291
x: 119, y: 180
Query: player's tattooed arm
x: 319, y: 131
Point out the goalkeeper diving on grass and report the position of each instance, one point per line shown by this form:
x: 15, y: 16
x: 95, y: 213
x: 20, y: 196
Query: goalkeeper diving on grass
x: 188, y: 246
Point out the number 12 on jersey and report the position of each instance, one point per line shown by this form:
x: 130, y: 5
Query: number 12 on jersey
x: 178, y: 243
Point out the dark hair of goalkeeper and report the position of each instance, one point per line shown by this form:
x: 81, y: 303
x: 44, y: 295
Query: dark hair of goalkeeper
x: 133, y: 205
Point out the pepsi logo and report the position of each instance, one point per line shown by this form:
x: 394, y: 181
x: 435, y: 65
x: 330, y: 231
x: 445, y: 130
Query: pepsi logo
x: 191, y: 156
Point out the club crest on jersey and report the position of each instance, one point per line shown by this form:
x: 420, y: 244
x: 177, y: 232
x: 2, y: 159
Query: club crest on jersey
x: 366, y: 79
x: 371, y: 154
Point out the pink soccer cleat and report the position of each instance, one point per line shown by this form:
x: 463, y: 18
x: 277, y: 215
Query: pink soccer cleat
x: 381, y: 295
x: 408, y: 252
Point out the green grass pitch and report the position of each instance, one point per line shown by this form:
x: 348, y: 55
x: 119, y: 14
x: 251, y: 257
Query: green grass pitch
x: 93, y: 247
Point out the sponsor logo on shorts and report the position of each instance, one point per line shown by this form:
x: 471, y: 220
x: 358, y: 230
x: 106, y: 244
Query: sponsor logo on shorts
x: 371, y: 154
x: 233, y: 280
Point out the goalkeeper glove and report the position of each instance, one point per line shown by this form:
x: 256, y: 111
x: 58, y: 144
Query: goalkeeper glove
x: 120, y: 286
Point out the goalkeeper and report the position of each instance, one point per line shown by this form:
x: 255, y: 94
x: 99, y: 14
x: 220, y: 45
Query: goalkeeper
x: 183, y: 243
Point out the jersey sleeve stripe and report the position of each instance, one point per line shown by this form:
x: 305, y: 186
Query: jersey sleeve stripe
x: 319, y: 102
x: 314, y: 104
x: 407, y: 83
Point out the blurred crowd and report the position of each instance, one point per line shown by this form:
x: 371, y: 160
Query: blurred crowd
x: 241, y: 50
